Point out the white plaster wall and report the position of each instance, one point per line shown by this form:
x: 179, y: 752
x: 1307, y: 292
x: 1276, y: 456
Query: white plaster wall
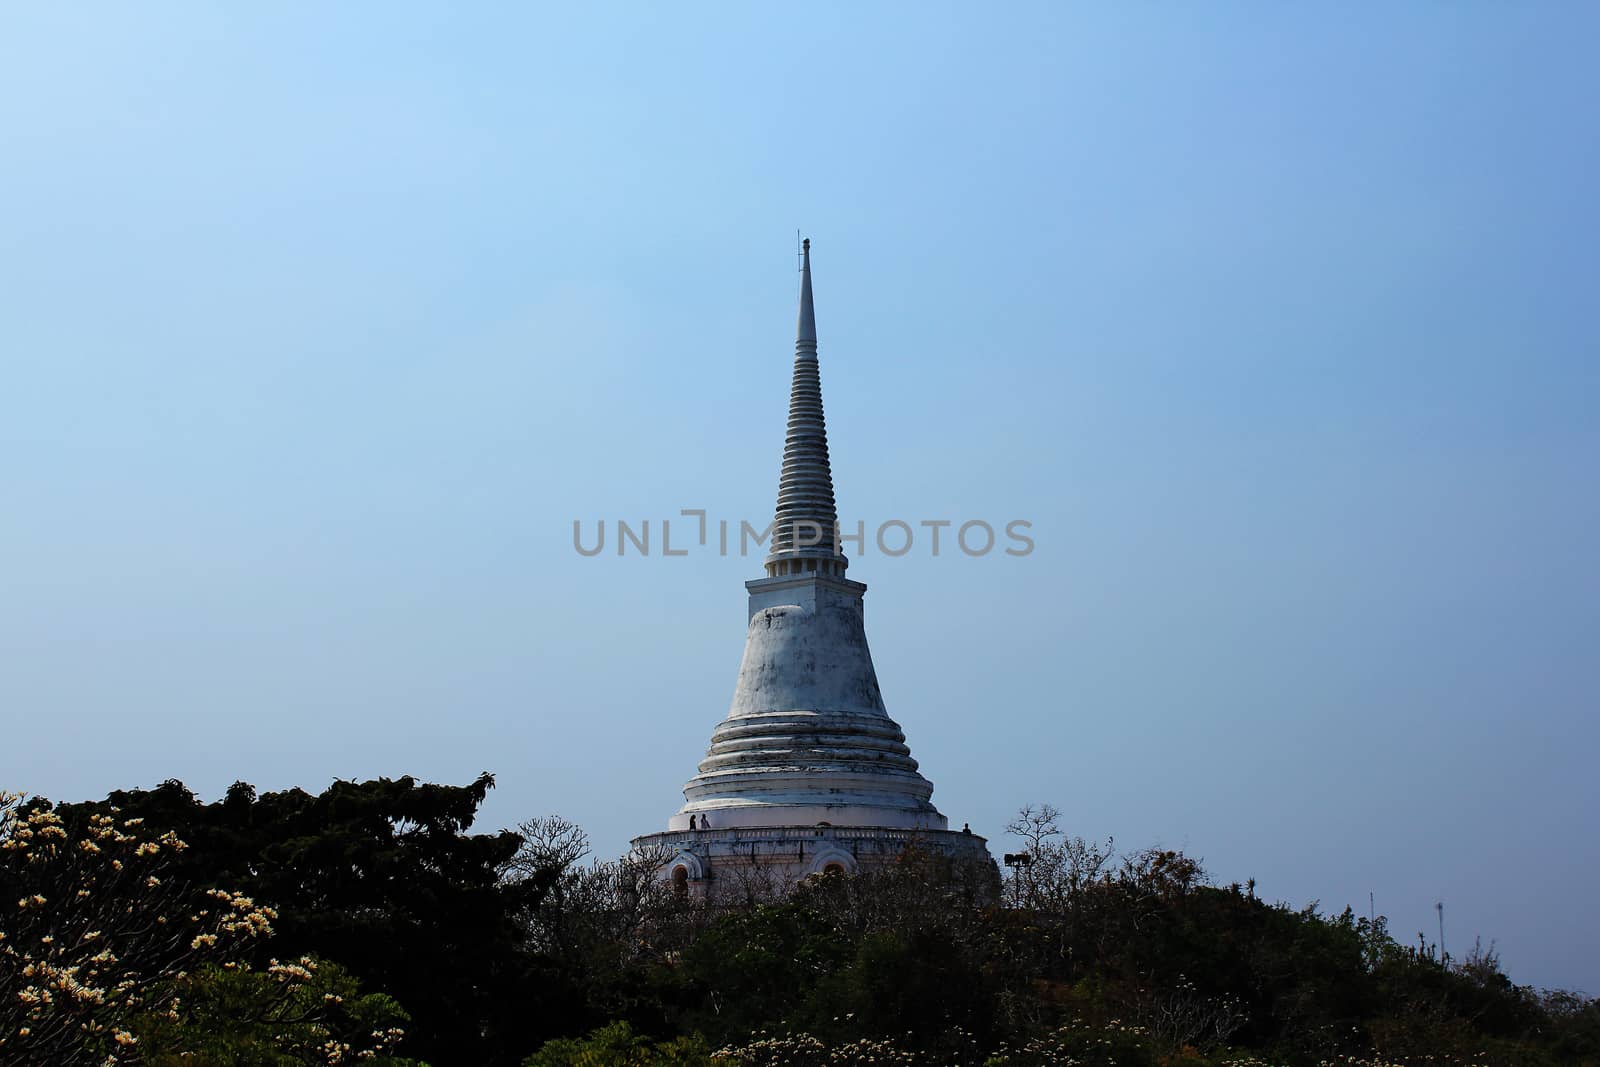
x: 735, y: 862
x: 807, y: 739
x: 807, y: 651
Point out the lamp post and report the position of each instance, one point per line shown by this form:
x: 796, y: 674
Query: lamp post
x: 1020, y: 859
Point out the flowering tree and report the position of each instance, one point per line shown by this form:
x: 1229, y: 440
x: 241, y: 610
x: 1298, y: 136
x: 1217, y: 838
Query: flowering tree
x: 93, y: 931
x: 287, y: 1014
x: 385, y: 878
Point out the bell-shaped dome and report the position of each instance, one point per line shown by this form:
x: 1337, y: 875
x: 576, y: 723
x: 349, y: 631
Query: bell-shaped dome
x: 807, y: 739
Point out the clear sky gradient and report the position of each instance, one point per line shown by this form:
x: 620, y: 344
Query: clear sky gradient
x: 320, y: 324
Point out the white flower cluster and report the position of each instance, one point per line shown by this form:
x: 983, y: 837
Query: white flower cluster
x: 86, y: 937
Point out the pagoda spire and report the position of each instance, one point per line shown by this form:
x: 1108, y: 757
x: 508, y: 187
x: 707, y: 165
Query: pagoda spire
x: 807, y: 773
x: 806, y: 330
x: 806, y: 521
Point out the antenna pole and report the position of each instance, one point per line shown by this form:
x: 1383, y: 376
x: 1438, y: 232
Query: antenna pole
x: 1442, y: 957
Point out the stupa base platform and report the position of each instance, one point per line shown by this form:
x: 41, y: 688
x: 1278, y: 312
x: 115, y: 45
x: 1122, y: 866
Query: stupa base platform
x: 766, y: 861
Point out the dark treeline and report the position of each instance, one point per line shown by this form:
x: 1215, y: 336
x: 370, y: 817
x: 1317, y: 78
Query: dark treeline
x: 368, y: 924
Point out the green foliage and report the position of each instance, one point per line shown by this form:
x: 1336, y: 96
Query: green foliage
x: 884, y: 954
x: 1573, y: 1023
x: 302, y: 1013
x: 803, y: 1050
x: 616, y: 1045
x: 383, y: 877
x: 919, y: 983
x: 1108, y: 1045
x: 757, y: 967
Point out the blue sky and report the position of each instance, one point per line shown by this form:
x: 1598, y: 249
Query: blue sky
x: 320, y: 326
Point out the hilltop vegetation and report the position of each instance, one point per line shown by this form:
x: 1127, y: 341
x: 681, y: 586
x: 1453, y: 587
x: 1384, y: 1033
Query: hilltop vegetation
x: 367, y: 924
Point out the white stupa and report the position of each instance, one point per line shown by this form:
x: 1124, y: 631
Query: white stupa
x: 808, y: 772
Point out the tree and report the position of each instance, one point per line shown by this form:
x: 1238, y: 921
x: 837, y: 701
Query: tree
x: 1055, y: 872
x: 102, y: 927
x: 383, y: 878
x: 297, y: 1014
x: 757, y: 968
x: 616, y: 1045
x: 1036, y: 826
